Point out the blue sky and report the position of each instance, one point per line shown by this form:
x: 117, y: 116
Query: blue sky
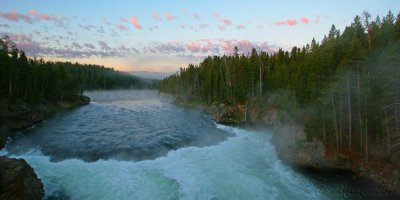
x: 164, y: 35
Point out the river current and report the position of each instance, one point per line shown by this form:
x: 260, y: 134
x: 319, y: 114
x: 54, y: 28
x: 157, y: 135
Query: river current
x: 138, y: 145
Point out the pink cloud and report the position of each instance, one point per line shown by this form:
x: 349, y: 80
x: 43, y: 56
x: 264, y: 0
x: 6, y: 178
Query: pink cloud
x: 227, y: 46
x: 124, y: 20
x: 241, y: 26
x: 14, y: 16
x: 32, y: 12
x: 121, y: 27
x: 193, y: 46
x: 204, y: 47
x: 156, y: 16
x: 245, y: 45
x: 223, y: 23
x: 227, y: 21
x: 45, y: 17
x: 170, y: 17
x: 135, y: 22
x: 216, y: 15
x: 305, y: 20
x: 289, y: 22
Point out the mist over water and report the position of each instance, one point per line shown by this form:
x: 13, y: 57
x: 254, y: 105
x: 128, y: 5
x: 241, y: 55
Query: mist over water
x: 137, y: 145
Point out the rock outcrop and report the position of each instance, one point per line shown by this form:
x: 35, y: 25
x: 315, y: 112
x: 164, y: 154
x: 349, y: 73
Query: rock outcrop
x: 292, y: 146
x: 226, y: 114
x: 18, y: 180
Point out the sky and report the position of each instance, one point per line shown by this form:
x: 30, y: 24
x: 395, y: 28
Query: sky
x: 165, y: 35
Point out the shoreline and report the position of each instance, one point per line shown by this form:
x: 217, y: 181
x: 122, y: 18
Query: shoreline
x: 20, y: 115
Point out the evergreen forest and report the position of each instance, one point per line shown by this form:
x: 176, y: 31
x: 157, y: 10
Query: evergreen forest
x: 36, y: 81
x: 345, y: 89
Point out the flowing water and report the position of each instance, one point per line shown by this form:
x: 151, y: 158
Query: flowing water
x: 137, y: 145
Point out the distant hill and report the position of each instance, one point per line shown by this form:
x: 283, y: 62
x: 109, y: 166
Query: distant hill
x: 152, y: 75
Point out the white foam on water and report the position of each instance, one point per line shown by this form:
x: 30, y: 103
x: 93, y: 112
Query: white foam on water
x: 244, y: 166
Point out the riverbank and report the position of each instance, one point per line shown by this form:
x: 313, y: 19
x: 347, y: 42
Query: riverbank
x: 20, y: 115
x: 17, y: 178
x: 295, y: 149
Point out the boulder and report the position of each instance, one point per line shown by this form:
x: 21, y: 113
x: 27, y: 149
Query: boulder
x: 18, y: 180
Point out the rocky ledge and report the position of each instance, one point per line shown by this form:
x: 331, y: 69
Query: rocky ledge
x: 293, y: 148
x: 18, y: 180
x: 225, y: 114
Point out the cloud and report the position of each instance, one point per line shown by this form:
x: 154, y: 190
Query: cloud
x: 305, y: 20
x: 5, y: 25
x: 316, y: 20
x: 32, y: 48
x: 156, y: 16
x: 289, y: 22
x: 193, y: 46
x: 58, y: 20
x: 223, y: 23
x: 293, y: 22
x: 153, y: 28
x: 170, y: 17
x: 121, y: 27
x: 193, y: 15
x: 100, y: 30
x: 169, y: 47
x: 104, y: 45
x: 205, y: 47
x: 216, y: 15
x: 203, y: 26
x: 135, y: 22
x: 187, y: 26
x: 89, y: 46
x: 124, y: 20
x: 32, y: 12
x: 184, y: 10
x: 14, y: 16
x: 241, y: 26
x: 87, y: 27
x: 196, y: 16
x: 76, y: 45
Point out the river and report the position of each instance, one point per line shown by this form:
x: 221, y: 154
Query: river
x: 138, y: 145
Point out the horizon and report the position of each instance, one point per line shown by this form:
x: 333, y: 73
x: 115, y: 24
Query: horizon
x: 158, y: 37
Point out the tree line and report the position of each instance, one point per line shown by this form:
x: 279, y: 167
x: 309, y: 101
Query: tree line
x: 35, y: 80
x: 345, y: 89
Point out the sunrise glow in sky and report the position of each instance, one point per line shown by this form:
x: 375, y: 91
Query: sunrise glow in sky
x: 164, y: 35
